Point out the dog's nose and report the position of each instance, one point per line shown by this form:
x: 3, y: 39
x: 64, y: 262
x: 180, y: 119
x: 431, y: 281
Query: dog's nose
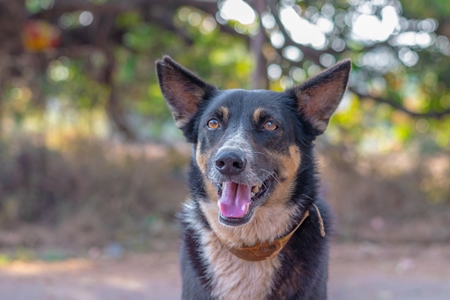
x: 230, y: 163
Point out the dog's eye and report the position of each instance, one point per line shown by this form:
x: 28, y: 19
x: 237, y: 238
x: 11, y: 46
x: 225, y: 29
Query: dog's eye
x: 269, y: 125
x: 213, y: 124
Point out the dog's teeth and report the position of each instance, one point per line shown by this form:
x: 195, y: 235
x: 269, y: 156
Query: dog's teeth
x: 252, y: 195
x: 255, y: 189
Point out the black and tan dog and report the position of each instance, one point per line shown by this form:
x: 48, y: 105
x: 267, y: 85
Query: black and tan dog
x: 254, y: 227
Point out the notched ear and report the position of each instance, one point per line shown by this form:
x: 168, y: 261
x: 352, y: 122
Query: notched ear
x: 319, y: 96
x: 182, y: 90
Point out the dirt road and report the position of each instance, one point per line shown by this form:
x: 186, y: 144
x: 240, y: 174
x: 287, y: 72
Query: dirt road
x: 357, y: 271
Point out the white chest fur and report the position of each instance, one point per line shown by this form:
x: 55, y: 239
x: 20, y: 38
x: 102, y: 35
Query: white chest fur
x: 234, y: 278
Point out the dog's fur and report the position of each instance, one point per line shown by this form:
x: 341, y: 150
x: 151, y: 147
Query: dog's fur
x: 256, y: 138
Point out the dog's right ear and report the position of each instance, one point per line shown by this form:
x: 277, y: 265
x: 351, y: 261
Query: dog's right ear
x: 182, y: 90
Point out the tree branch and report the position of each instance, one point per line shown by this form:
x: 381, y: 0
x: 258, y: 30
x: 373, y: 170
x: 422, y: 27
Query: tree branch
x: 429, y: 114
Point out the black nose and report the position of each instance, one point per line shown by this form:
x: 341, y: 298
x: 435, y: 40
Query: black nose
x: 230, y: 163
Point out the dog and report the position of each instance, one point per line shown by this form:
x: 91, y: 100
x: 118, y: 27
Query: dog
x: 254, y: 226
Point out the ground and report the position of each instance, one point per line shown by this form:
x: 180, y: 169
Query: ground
x: 357, y: 271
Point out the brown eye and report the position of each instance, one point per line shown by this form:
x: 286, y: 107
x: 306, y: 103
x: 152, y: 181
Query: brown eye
x: 269, y: 125
x: 213, y: 124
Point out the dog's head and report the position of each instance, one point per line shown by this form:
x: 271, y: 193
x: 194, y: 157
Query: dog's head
x: 250, y: 145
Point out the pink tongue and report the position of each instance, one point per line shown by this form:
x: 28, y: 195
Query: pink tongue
x: 235, y: 200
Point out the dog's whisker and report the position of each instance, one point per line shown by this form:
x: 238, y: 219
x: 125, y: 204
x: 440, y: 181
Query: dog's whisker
x: 257, y: 152
x: 306, y: 196
x: 271, y: 175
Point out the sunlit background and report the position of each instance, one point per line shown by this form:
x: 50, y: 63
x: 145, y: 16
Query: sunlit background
x: 92, y: 165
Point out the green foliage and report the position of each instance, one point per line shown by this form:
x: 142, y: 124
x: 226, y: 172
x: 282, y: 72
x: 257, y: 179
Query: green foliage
x: 79, y: 83
x: 76, y: 84
x: 421, y: 87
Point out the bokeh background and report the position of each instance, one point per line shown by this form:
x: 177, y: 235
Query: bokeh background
x: 92, y: 166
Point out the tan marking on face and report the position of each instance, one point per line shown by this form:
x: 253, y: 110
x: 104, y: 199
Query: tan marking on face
x: 290, y: 164
x: 257, y: 114
x: 234, y: 278
x: 270, y: 220
x: 202, y: 158
x: 202, y: 162
x: 284, y: 184
x: 211, y: 191
x: 225, y: 113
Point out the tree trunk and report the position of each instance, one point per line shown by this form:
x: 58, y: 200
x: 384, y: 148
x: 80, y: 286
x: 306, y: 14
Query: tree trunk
x: 259, y: 77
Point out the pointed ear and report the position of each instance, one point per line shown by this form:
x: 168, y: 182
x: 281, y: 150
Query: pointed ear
x: 182, y: 90
x: 319, y: 96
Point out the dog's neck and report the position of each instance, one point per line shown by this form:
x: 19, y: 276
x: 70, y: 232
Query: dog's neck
x: 266, y: 250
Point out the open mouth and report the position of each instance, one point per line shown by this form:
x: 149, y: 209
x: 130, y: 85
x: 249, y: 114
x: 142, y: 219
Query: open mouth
x: 237, y: 201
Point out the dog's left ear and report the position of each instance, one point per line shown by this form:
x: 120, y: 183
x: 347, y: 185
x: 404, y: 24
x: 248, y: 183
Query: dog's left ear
x: 319, y: 96
x: 182, y: 90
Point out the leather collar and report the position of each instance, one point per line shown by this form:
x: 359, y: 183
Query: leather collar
x: 266, y: 250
